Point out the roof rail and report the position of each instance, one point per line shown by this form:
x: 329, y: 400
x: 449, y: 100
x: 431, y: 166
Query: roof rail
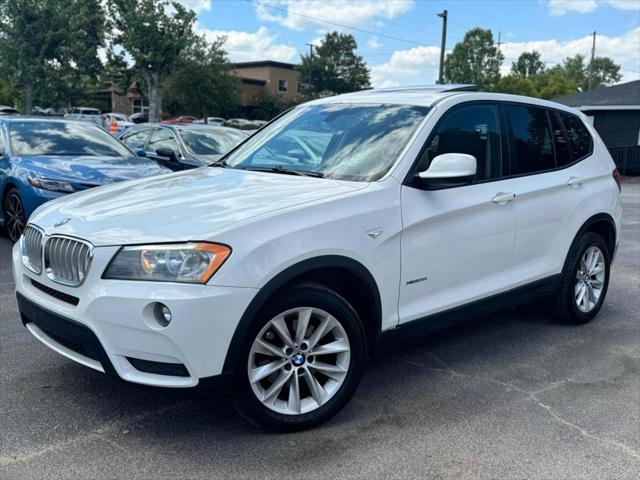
x: 453, y: 87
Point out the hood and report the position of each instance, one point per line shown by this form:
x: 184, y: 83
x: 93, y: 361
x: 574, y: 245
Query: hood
x: 85, y: 170
x: 190, y: 205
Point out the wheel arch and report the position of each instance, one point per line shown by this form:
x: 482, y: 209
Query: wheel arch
x: 348, y: 277
x: 604, y: 225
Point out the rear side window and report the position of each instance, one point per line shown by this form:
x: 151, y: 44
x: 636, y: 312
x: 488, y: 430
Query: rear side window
x: 474, y: 130
x: 579, y: 136
x: 560, y: 142
x: 532, y: 148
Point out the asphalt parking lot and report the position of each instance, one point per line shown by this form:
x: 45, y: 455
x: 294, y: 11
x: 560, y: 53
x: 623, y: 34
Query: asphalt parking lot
x: 513, y: 395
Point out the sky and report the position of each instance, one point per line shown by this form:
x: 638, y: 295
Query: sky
x: 400, y: 39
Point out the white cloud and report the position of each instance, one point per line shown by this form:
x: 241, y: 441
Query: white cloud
x: 418, y: 65
x: 622, y: 49
x: 561, y: 7
x: 373, y: 43
x: 196, y: 5
x: 316, y: 12
x: 250, y: 46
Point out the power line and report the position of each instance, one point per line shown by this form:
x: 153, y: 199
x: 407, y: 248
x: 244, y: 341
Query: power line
x: 335, y: 24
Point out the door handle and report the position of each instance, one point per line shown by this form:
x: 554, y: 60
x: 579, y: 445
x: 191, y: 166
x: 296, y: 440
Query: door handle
x: 574, y: 181
x: 503, y: 197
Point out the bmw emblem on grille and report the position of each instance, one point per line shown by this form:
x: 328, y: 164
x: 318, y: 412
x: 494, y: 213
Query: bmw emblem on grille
x: 62, y: 221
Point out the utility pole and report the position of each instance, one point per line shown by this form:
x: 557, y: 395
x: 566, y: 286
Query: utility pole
x: 442, y: 15
x: 310, y: 66
x: 593, y: 56
x: 499, y: 40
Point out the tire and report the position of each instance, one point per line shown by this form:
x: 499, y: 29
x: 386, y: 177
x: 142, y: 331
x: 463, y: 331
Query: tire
x: 570, y: 304
x: 299, y: 368
x: 13, y: 213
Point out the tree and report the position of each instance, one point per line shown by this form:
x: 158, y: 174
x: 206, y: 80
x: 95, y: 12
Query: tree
x: 50, y: 42
x: 269, y: 104
x: 517, y: 85
x: 528, y: 65
x: 154, y: 38
x: 335, y: 66
x: 475, y: 59
x: 554, y: 83
x: 203, y: 82
x: 603, y: 71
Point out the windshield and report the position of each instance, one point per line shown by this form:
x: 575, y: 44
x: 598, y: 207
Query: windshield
x: 63, y: 138
x: 342, y: 141
x: 211, y: 142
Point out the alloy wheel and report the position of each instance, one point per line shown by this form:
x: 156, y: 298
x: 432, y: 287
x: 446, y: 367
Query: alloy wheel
x: 14, y: 216
x: 590, y: 279
x: 299, y: 360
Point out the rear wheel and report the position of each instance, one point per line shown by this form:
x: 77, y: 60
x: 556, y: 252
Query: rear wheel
x: 14, y: 216
x: 585, y: 280
x: 302, y: 361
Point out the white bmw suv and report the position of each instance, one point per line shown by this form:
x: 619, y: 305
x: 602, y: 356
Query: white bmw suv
x: 345, y: 226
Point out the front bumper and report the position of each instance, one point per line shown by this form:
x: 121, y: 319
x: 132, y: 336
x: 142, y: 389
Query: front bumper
x: 112, y: 328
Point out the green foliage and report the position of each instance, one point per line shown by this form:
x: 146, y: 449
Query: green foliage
x: 203, y: 83
x: 269, y: 104
x: 335, y: 66
x: 50, y: 46
x: 528, y: 65
x: 605, y: 72
x: 475, y: 59
x: 155, y: 36
x: 517, y: 85
x: 9, y: 94
x: 554, y: 83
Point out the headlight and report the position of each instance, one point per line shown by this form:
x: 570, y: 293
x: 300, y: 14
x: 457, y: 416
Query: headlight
x: 186, y: 262
x: 53, y: 185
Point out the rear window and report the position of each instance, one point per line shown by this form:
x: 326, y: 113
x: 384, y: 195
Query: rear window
x: 533, y: 148
x: 63, y: 138
x: 579, y: 136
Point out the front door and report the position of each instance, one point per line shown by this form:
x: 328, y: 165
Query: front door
x: 457, y: 242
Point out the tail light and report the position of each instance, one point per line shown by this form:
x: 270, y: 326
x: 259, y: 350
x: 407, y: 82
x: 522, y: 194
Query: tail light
x: 617, y: 178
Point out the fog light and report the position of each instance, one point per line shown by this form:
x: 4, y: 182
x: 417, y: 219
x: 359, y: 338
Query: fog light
x: 162, y: 314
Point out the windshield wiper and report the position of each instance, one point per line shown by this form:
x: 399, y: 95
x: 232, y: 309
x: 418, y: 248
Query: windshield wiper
x: 285, y: 171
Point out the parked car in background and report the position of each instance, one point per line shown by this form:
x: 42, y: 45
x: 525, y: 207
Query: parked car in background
x: 183, y: 119
x: 46, y: 112
x: 139, y: 117
x: 5, y: 110
x: 240, y: 123
x: 42, y: 159
x: 180, y: 147
x: 84, y: 114
x: 282, y: 276
x: 211, y: 121
x: 115, y: 122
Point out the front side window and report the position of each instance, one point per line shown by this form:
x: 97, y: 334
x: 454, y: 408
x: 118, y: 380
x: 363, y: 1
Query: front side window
x: 532, y: 150
x: 162, y: 138
x: 343, y: 141
x: 473, y: 130
x: 579, y: 136
x: 63, y: 138
x: 136, y: 139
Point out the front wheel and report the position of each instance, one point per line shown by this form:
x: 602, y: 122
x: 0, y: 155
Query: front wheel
x: 14, y: 217
x: 302, y: 361
x: 585, y: 280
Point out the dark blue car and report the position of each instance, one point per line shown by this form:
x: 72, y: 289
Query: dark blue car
x: 43, y: 159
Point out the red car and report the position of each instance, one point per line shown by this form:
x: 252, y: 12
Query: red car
x: 181, y: 119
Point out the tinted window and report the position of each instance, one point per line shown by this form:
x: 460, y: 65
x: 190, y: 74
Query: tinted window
x: 351, y: 142
x: 532, y: 148
x: 136, y: 139
x: 560, y: 143
x: 163, y: 138
x: 211, y: 142
x: 63, y: 138
x: 474, y: 130
x: 578, y: 135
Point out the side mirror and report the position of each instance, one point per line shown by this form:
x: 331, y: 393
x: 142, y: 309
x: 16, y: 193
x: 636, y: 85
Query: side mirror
x: 449, y: 170
x: 167, y: 153
x: 141, y: 153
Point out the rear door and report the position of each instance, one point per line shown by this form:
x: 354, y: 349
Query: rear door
x: 457, y: 242
x: 548, y: 187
